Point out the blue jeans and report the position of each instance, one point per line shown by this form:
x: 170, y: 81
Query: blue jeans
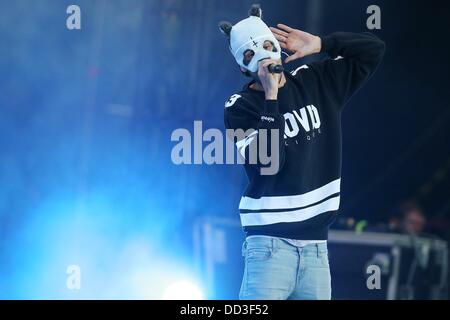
x: 277, y: 270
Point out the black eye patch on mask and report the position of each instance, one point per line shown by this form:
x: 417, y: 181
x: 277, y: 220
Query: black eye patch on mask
x: 247, y: 61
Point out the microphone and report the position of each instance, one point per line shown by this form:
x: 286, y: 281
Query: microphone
x: 275, y: 68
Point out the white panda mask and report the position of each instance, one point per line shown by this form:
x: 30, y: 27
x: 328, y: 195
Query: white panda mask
x: 250, y: 34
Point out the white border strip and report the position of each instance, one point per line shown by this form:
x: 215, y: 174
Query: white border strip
x: 289, y: 202
x: 265, y: 218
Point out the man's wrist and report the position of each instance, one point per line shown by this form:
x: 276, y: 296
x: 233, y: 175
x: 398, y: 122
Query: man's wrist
x: 318, y: 44
x: 271, y: 95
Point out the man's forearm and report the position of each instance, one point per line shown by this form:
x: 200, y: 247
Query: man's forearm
x: 365, y: 47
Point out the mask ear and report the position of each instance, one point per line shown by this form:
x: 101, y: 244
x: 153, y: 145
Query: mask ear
x: 255, y: 11
x: 225, y: 27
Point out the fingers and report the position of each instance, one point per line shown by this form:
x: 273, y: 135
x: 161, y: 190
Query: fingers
x: 285, y: 27
x: 264, y: 63
x: 263, y: 66
x: 278, y: 32
x: 280, y: 39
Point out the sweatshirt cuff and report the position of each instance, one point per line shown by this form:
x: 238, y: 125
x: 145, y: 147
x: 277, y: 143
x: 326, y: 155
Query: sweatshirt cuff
x: 327, y: 44
x: 271, y: 106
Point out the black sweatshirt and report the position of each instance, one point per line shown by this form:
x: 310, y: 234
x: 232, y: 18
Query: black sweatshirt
x: 302, y: 199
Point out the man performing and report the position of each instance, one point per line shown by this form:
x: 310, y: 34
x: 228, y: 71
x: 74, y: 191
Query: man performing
x: 286, y: 215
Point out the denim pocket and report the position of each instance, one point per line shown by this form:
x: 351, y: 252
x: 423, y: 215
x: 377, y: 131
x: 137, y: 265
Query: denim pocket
x: 323, y: 256
x: 260, y: 254
x: 322, y: 249
x: 244, y: 248
x: 316, y: 255
x: 258, y: 248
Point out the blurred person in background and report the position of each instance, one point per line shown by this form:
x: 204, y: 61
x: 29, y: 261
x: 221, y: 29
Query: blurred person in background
x: 409, y: 219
